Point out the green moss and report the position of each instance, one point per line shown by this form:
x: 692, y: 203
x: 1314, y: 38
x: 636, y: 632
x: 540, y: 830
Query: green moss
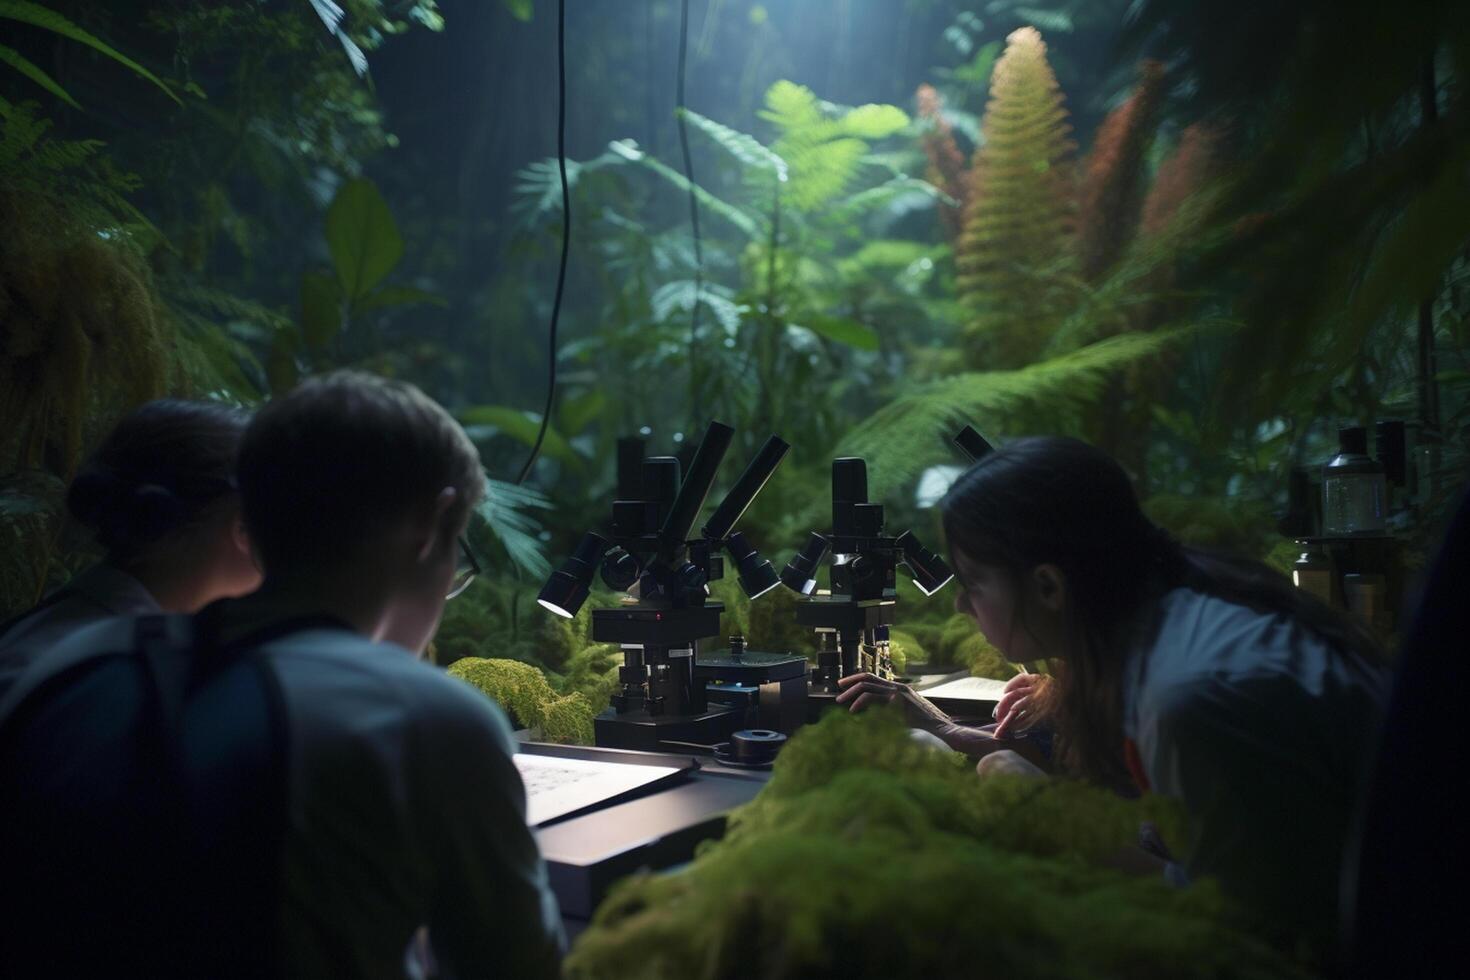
x: 524, y: 692
x: 593, y: 673
x: 926, y: 635
x: 983, y: 659
x: 519, y: 688
x: 773, y: 624
x: 568, y: 720
x: 736, y: 617
x: 952, y: 633
x: 905, y: 650
x: 999, y: 877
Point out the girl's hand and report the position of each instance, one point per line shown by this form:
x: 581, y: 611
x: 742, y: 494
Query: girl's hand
x: 1017, y: 701
x: 861, y: 690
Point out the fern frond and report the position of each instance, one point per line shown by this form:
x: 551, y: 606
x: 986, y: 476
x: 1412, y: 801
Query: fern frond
x: 629, y: 151
x: 225, y: 305
x: 1181, y: 176
x: 892, y: 194
x: 538, y: 184
x: 680, y: 294
x: 823, y: 145
x: 910, y: 432
x: 1112, y: 186
x: 745, y: 148
x: 946, y: 162
x: 507, y: 511
x: 1020, y: 215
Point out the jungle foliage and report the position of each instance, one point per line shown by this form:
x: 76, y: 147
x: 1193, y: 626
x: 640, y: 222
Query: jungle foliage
x: 1018, y: 230
x: 1199, y: 234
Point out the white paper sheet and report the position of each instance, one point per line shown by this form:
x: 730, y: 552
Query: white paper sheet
x: 556, y: 786
x: 968, y: 688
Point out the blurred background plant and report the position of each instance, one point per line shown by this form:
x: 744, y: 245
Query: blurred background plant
x: 1200, y: 237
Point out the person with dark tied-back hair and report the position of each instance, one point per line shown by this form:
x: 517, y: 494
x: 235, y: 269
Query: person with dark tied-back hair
x: 1177, y: 671
x: 160, y: 499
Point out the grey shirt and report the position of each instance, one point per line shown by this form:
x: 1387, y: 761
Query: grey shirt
x: 406, y: 811
x: 1264, y: 732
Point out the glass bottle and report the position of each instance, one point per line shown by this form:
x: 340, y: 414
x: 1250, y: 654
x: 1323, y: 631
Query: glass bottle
x: 1354, y: 492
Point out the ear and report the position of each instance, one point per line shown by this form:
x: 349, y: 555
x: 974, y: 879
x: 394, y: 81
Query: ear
x: 1050, y: 585
x: 433, y: 528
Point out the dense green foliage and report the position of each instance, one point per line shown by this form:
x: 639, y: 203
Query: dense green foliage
x: 1200, y: 234
x: 869, y: 855
x: 917, y: 216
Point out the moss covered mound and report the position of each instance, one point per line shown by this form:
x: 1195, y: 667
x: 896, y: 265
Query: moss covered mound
x: 868, y: 855
x: 525, y: 694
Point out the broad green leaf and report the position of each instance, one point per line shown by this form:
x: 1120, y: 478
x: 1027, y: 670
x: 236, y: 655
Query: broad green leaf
x: 579, y: 412
x: 50, y: 20
x: 362, y: 237
x: 16, y: 60
x: 842, y: 330
x: 321, y: 309
x: 519, y: 9
x: 399, y: 296
x: 521, y: 426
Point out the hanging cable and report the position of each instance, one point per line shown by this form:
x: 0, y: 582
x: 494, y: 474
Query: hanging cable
x: 693, y: 206
x: 566, y: 230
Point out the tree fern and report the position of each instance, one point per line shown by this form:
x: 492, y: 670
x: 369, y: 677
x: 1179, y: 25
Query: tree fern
x: 911, y: 431
x: 1113, y: 183
x: 1183, y: 175
x: 1020, y: 216
x: 946, y: 162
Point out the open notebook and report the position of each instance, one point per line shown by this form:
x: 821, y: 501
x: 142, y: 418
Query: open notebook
x: 965, y: 689
x: 557, y: 786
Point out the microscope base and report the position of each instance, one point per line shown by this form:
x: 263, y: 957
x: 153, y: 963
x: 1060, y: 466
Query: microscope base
x: 647, y: 733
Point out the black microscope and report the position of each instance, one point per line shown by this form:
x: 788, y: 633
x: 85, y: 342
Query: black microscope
x: 671, y: 696
x: 852, y: 617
